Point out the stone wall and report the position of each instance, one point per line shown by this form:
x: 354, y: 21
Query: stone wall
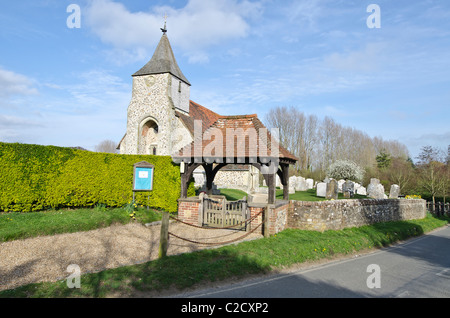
x: 340, y: 214
x: 317, y: 216
x: 278, y: 217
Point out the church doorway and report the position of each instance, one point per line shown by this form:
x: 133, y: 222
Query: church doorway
x: 148, y: 139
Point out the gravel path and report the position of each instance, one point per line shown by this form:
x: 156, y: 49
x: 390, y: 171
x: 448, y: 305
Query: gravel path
x: 46, y: 258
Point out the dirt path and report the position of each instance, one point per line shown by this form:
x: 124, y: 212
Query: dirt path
x: 47, y: 258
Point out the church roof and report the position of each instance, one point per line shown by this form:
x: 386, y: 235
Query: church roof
x: 197, y: 112
x: 262, y: 146
x: 163, y: 61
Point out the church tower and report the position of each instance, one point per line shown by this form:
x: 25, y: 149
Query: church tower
x: 160, y: 90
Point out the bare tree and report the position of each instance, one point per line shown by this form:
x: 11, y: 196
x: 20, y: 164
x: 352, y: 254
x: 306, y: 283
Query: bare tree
x: 107, y: 146
x: 319, y: 143
x: 431, y: 169
x: 401, y: 172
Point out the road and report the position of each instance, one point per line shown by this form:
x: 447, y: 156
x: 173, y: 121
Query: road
x: 417, y: 268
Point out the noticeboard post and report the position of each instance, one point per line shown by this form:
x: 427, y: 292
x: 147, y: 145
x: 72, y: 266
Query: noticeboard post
x: 143, y: 177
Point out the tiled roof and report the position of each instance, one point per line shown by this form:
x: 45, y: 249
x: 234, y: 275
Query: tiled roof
x: 243, y: 136
x: 197, y: 112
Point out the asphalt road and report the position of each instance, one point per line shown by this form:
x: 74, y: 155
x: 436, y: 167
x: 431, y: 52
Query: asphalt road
x: 418, y: 268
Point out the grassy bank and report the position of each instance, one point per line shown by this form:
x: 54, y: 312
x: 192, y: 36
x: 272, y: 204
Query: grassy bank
x: 17, y: 225
x: 235, y: 261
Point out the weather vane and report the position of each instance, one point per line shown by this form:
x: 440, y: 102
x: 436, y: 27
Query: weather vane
x: 164, y: 30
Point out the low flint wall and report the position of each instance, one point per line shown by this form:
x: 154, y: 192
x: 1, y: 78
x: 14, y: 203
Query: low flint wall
x: 340, y: 214
x: 317, y: 216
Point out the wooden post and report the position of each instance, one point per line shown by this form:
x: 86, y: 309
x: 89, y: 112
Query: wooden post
x: 285, y: 173
x: 266, y: 221
x: 201, y: 208
x: 244, y: 214
x: 272, y: 189
x: 164, y: 237
x: 224, y: 209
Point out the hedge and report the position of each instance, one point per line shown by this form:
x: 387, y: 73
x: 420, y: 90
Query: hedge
x: 34, y: 178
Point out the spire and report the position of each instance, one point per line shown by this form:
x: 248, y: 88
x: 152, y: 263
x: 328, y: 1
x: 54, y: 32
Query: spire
x: 163, y: 60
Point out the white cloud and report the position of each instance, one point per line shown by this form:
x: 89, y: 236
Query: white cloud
x: 14, y: 121
x: 91, y: 108
x: 193, y: 28
x: 18, y: 129
x: 304, y: 12
x: 368, y: 59
x: 92, y: 91
x: 15, y: 84
x: 438, y: 140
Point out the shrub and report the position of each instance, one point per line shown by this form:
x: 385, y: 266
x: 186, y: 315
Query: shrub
x: 344, y: 169
x: 37, y: 177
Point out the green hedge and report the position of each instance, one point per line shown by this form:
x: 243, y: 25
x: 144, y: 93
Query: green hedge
x: 34, y: 178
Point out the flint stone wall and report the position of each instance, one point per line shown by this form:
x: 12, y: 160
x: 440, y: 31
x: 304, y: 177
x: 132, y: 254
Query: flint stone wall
x: 340, y: 214
x: 318, y: 216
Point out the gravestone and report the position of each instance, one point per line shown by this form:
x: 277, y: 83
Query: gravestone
x: 301, y: 184
x: 278, y: 182
x: 361, y: 190
x: 332, y: 190
x: 321, y: 189
x: 348, y: 188
x: 310, y: 183
x: 395, y: 191
x: 375, y: 189
x: 292, y: 184
x: 340, y: 184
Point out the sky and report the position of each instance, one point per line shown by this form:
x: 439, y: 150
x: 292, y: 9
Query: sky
x: 69, y: 84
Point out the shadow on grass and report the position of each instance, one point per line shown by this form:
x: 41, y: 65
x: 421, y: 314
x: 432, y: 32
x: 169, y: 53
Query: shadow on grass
x: 179, y: 271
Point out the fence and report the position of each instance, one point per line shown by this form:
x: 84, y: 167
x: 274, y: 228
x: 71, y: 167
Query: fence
x: 439, y: 208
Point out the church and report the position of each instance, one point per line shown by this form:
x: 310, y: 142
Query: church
x: 161, y: 116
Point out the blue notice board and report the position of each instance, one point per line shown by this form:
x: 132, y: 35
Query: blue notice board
x: 143, y: 179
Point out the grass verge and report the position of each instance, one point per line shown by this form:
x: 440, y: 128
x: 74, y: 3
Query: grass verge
x: 17, y: 225
x: 285, y: 249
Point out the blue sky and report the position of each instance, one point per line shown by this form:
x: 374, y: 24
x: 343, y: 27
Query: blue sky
x: 71, y: 87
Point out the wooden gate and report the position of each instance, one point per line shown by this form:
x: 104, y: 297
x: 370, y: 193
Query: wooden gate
x: 223, y: 213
